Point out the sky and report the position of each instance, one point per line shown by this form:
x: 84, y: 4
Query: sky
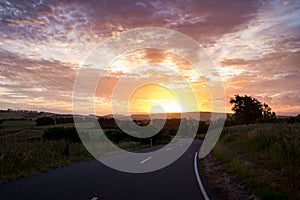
x: 253, y: 45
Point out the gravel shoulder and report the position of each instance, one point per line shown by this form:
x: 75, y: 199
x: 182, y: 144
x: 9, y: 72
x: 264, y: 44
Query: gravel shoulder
x: 223, y: 184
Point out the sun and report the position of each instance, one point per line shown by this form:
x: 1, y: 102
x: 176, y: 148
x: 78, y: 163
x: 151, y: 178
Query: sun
x: 171, y: 106
x: 151, y: 98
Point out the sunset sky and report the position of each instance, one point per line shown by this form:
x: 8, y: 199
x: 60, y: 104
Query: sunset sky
x: 254, y: 45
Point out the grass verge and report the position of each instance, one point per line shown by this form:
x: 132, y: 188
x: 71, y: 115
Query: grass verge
x: 264, y: 157
x: 23, y: 152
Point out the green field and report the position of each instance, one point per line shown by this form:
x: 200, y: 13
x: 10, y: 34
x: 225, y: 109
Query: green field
x: 264, y: 157
x: 13, y: 127
x: 12, y: 114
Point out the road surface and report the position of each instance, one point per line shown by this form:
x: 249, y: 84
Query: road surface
x: 91, y: 180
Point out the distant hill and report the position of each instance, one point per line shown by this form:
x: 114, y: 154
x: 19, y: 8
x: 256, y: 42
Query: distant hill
x: 33, y: 115
x: 19, y: 114
x: 27, y: 114
x: 204, y: 116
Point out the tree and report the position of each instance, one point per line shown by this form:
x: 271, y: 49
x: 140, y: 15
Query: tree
x: 268, y: 115
x: 69, y: 134
x: 246, y: 109
x: 42, y: 121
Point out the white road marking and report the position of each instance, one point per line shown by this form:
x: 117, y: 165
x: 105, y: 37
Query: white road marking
x: 146, y: 160
x: 94, y: 198
x: 169, y: 148
x: 198, y: 177
x: 180, y: 144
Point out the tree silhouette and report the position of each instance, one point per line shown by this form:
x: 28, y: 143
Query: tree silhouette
x: 268, y: 115
x: 42, y: 121
x: 246, y: 109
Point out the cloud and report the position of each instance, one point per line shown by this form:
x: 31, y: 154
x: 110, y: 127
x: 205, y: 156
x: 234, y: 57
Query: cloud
x: 254, y: 44
x: 71, y: 21
x: 32, y: 21
x: 25, y: 80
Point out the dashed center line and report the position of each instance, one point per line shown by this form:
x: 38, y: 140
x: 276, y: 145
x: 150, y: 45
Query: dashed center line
x: 168, y: 149
x: 145, y: 160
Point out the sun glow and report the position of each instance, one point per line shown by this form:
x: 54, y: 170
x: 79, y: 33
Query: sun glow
x: 172, y: 107
x: 154, y: 98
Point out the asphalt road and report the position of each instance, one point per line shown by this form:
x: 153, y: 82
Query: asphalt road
x: 93, y: 180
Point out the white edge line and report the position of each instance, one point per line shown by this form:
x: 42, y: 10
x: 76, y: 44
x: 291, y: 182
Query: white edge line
x: 146, y: 160
x: 198, y: 178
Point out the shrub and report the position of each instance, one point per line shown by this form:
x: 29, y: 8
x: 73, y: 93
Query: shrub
x: 69, y: 134
x: 42, y: 121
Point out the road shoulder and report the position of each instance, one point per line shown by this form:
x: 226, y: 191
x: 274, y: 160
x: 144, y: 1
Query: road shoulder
x: 224, y: 185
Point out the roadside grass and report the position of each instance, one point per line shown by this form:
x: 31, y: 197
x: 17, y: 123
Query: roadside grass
x: 21, y: 156
x: 264, y: 157
x: 23, y: 152
x: 26, y: 154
